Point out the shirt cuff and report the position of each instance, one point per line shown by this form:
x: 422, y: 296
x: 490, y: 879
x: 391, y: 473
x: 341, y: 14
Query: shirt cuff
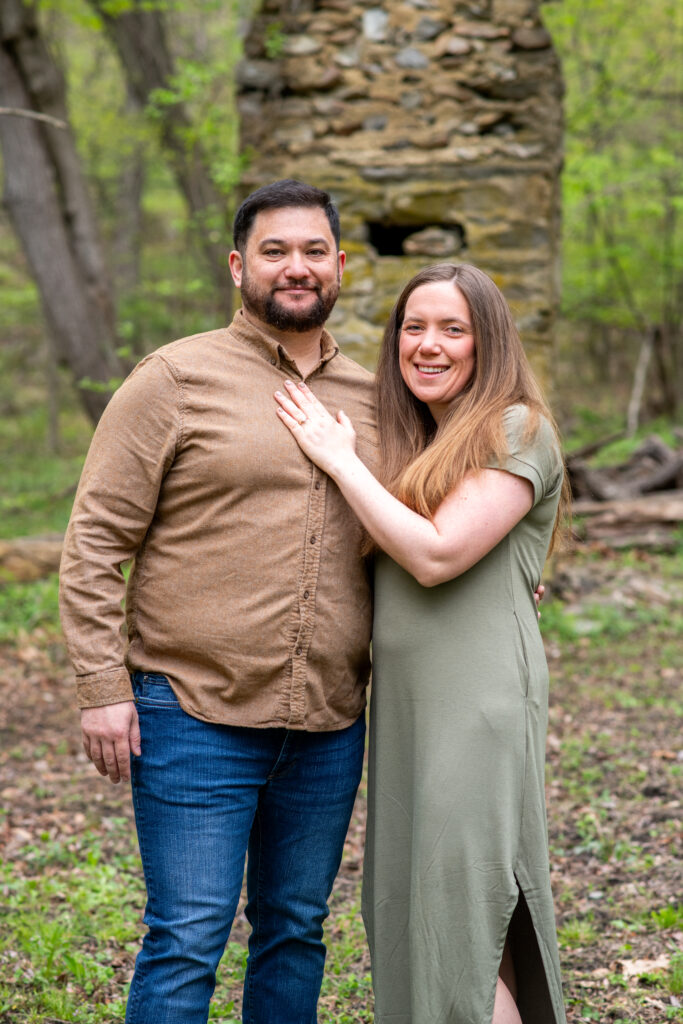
x: 100, y: 688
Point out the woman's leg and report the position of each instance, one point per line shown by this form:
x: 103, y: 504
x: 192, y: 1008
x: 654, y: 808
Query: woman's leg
x: 505, y: 1008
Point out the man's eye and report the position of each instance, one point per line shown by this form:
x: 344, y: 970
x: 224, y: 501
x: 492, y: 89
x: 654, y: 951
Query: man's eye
x: 272, y: 252
x: 317, y: 252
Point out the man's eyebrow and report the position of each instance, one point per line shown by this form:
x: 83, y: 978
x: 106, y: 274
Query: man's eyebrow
x: 283, y: 242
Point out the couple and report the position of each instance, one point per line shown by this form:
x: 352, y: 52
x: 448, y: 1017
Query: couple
x: 237, y: 708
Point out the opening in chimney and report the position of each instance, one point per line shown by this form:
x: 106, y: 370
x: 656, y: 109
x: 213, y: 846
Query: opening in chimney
x: 428, y: 239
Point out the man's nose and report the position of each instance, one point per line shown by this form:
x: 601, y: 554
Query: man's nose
x: 296, y: 265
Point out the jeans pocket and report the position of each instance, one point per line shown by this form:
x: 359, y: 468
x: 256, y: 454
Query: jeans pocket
x: 151, y: 689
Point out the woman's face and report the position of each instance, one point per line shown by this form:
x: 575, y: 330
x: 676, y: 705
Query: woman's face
x: 436, y: 345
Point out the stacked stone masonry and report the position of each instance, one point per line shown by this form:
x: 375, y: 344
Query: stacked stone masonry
x: 436, y: 125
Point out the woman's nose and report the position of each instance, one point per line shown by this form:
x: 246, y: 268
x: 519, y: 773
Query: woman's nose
x: 429, y: 342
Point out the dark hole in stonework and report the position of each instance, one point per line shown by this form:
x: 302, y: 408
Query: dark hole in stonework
x: 502, y: 127
x: 388, y: 239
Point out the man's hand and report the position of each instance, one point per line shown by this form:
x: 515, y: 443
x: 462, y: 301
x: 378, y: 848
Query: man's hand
x: 110, y: 735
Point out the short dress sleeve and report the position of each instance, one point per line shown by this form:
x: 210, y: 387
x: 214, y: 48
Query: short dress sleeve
x: 536, y: 458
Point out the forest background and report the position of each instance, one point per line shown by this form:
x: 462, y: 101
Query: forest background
x: 156, y: 148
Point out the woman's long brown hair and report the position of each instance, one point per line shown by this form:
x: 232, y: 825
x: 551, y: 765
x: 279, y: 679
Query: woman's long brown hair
x: 419, y: 463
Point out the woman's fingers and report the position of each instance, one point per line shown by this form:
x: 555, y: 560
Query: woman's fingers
x: 301, y: 404
x: 305, y: 399
x: 303, y: 389
x: 294, y: 412
x: 300, y: 397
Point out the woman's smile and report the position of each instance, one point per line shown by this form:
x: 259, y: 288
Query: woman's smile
x: 436, y: 346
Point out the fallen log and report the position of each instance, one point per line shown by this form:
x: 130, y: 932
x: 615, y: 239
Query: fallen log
x: 593, y: 447
x: 662, y: 507
x: 30, y: 558
x: 653, y: 466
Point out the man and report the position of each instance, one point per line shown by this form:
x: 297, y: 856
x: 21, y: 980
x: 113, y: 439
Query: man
x: 241, y: 694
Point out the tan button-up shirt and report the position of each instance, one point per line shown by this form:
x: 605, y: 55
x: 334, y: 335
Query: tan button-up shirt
x: 248, y: 589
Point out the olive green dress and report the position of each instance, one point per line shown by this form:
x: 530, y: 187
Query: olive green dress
x: 456, y: 851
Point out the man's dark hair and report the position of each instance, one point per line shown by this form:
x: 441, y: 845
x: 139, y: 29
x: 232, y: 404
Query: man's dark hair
x: 287, y: 192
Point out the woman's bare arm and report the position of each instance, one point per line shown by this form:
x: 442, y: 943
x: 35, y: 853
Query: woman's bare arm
x: 466, y: 526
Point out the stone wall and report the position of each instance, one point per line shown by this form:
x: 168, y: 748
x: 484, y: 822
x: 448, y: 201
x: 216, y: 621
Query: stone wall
x: 436, y: 125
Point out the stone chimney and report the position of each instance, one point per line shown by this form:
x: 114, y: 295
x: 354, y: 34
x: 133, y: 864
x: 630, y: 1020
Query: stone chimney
x: 437, y: 127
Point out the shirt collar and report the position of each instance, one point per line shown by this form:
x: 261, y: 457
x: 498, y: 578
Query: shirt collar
x: 272, y: 350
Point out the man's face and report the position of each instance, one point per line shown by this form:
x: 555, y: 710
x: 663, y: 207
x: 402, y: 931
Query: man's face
x: 291, y: 270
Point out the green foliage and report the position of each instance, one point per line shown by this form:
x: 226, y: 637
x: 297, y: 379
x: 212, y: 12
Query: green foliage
x: 274, y: 39
x: 668, y: 917
x: 71, y: 910
x: 623, y: 180
x: 26, y: 606
x: 675, y: 976
x: 37, y: 486
x: 589, y: 425
x: 577, y: 933
x: 114, y: 135
x: 61, y: 894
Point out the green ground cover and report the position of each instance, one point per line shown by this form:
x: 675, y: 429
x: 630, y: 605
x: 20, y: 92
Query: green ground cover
x: 71, y: 893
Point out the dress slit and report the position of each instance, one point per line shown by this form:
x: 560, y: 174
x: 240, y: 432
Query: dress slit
x: 534, y: 1001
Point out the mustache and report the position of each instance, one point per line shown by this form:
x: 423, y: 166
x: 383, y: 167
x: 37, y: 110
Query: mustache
x: 303, y: 283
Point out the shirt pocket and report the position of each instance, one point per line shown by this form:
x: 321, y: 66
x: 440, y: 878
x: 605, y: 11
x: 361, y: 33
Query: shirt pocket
x: 151, y: 689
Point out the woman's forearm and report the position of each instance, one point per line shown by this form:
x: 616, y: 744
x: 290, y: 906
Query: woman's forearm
x: 407, y: 537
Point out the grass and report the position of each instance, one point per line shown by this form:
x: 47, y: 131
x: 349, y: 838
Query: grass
x: 589, y: 425
x: 25, y: 607
x: 55, y: 900
x: 71, y: 897
x: 577, y: 933
x: 38, y: 484
x: 61, y: 894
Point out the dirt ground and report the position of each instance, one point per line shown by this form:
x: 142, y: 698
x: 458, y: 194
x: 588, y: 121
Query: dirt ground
x: 614, y: 791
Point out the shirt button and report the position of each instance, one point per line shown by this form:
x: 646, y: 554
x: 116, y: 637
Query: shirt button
x: 313, y: 539
x: 306, y: 595
x: 273, y: 362
x: 298, y: 650
x: 317, y: 485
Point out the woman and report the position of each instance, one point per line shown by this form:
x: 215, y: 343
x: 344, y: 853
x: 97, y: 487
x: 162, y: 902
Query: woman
x: 456, y: 895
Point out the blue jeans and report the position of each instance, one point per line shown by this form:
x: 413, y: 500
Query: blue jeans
x: 204, y: 796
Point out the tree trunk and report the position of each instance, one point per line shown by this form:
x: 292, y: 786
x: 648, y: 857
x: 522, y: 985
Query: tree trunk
x: 47, y: 200
x: 126, y: 244
x: 140, y: 39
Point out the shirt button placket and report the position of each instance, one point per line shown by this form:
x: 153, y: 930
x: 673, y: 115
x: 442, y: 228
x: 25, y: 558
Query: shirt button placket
x: 309, y: 579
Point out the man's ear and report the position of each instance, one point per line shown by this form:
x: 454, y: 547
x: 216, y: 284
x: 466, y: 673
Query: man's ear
x: 341, y: 262
x: 236, y: 265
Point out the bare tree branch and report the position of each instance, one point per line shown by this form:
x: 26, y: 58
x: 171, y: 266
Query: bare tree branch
x: 33, y: 115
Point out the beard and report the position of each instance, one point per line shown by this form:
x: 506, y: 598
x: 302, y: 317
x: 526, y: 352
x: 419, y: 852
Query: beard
x: 265, y: 306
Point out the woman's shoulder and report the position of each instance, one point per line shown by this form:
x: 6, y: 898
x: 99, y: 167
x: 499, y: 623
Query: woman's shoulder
x: 532, y: 441
x: 528, y: 426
